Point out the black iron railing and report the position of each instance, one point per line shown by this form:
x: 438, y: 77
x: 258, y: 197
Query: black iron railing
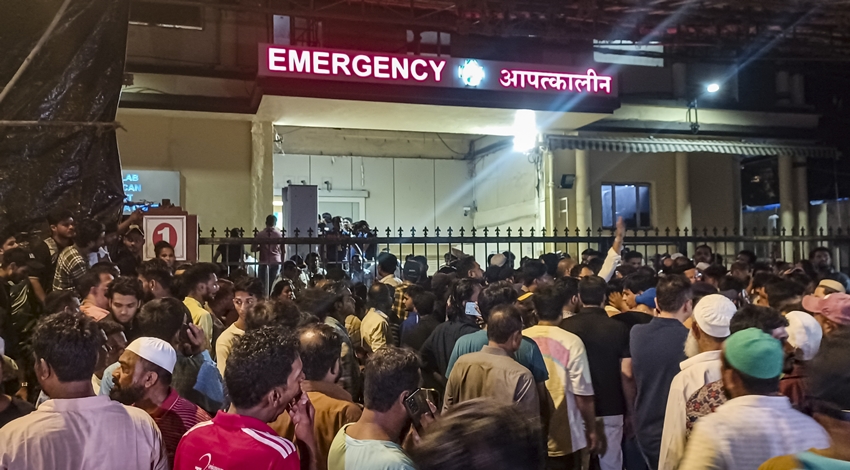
x: 769, y: 244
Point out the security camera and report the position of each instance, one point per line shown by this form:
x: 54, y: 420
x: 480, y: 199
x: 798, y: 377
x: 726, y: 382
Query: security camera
x: 466, y: 211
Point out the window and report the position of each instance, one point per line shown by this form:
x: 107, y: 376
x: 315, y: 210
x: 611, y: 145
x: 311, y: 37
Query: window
x: 629, y: 201
x: 429, y: 43
x: 166, y: 16
x: 626, y: 53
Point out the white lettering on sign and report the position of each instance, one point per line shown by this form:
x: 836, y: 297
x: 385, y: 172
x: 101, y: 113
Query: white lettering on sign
x: 340, y: 63
x: 589, y: 82
x: 299, y: 63
x: 377, y: 67
x: 319, y: 62
x: 277, y: 59
x: 164, y: 234
x: 438, y: 68
x: 420, y: 76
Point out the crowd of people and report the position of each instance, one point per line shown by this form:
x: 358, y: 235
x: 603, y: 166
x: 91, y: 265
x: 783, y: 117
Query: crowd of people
x: 601, y: 361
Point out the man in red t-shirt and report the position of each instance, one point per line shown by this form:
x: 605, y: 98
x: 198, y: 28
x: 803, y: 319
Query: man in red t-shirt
x: 143, y: 379
x: 263, y: 376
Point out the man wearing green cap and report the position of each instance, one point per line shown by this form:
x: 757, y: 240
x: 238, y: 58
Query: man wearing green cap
x: 757, y: 423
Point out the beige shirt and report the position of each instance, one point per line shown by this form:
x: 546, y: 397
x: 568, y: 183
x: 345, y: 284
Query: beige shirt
x: 224, y: 344
x: 82, y: 433
x: 373, y: 329
x: 493, y: 374
x: 334, y: 409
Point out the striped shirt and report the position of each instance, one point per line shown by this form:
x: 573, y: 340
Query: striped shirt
x: 749, y: 430
x: 70, y: 267
x: 232, y: 441
x: 175, y: 416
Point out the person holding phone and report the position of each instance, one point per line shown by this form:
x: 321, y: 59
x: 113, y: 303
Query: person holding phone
x: 263, y: 377
x: 373, y: 442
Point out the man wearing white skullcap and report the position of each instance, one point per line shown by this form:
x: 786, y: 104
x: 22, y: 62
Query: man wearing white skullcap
x: 712, y: 316
x: 804, y: 337
x: 143, y: 380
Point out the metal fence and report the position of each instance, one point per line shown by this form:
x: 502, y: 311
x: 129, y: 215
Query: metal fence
x: 768, y: 244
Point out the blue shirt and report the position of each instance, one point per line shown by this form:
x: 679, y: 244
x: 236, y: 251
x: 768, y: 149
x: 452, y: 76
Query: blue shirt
x: 528, y: 355
x: 408, y: 324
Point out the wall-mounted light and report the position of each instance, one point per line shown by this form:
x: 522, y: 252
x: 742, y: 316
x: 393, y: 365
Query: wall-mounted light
x: 712, y: 87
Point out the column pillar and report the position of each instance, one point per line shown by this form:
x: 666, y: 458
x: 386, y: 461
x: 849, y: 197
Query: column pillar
x: 783, y: 88
x: 227, y: 39
x: 262, y: 173
x: 798, y: 90
x: 683, y: 193
x: 680, y: 81
x: 584, y: 214
x: 786, y: 202
x: 801, y: 201
x: 683, y: 198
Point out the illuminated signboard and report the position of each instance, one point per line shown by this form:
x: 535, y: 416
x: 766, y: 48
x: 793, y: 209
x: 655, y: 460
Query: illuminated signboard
x: 149, y: 187
x: 443, y: 72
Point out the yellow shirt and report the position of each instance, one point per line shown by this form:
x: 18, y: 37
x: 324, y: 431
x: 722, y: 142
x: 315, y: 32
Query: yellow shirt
x: 200, y: 317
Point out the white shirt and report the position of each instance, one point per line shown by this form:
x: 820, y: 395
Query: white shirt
x: 364, y: 277
x: 747, y: 431
x: 91, y: 433
x: 569, y: 375
x: 702, y: 369
x: 612, y: 260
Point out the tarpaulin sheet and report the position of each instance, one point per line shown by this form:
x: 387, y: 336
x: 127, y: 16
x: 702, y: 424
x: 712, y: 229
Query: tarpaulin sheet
x: 76, y: 77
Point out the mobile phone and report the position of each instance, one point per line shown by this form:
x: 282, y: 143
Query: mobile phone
x: 472, y: 309
x: 183, y: 335
x: 418, y: 403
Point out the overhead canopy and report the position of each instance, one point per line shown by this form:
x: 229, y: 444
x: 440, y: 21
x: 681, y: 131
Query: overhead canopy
x: 652, y: 145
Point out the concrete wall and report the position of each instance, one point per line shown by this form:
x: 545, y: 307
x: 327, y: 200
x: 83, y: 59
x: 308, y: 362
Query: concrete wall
x: 402, y: 192
x: 715, y: 187
x: 228, y: 40
x: 713, y: 179
x: 505, y: 191
x: 213, y: 157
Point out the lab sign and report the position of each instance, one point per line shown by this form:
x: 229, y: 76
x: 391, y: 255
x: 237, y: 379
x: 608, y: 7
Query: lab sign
x: 444, y: 72
x: 149, y: 187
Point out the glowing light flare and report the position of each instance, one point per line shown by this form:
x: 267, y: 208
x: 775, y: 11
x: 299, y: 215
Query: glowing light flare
x: 525, y: 130
x: 712, y: 88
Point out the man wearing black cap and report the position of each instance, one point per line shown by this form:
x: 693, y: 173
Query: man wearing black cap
x: 129, y: 254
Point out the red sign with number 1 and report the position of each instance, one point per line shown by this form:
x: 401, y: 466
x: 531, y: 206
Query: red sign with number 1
x: 165, y: 232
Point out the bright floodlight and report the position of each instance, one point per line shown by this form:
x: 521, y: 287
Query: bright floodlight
x: 525, y: 130
x: 713, y: 88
